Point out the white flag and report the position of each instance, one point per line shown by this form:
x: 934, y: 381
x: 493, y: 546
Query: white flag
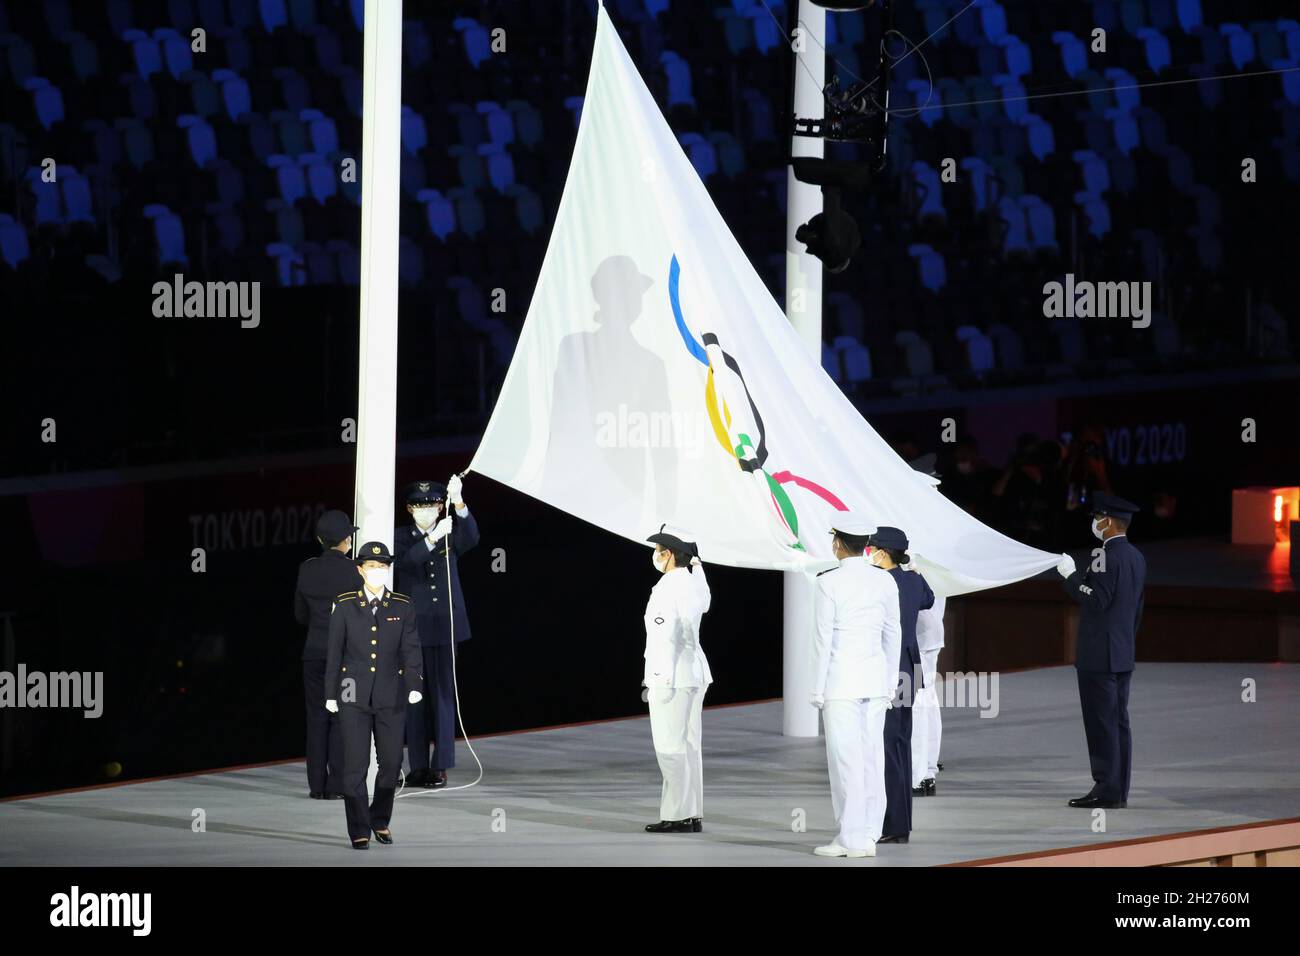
x: 656, y: 380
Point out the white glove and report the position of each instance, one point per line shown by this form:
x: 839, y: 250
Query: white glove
x: 454, y: 491
x: 414, y: 697
x: 441, y: 529
x: 1065, y: 567
x: 645, y: 694
x: 818, y: 701
x: 332, y: 706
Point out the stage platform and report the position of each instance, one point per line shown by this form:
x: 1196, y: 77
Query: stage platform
x: 580, y: 795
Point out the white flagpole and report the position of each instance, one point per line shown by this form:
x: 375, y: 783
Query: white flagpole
x: 803, y: 307
x: 381, y: 143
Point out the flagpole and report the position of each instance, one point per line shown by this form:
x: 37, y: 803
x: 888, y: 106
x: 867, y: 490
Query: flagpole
x: 803, y: 307
x: 381, y: 129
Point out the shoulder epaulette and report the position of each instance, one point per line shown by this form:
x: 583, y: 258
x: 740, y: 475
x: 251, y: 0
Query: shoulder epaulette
x: 396, y: 596
x: 827, y: 571
x: 345, y: 596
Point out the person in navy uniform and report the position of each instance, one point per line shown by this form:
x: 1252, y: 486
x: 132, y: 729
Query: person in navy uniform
x: 372, y: 674
x: 422, y: 551
x: 888, y: 550
x: 320, y: 580
x: 1110, y: 596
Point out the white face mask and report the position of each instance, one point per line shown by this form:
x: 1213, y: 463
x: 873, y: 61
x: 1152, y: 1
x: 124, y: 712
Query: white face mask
x: 376, y: 578
x: 1096, y: 531
x: 425, y: 516
x: 660, y: 559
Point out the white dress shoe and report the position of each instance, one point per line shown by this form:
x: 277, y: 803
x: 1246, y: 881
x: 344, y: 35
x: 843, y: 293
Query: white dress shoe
x: 834, y: 849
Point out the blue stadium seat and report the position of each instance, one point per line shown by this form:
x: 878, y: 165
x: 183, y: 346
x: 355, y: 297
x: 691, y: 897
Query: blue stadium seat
x: 415, y: 135
x: 234, y: 93
x: 175, y: 51
x: 701, y: 154
x: 930, y: 266
x: 46, y: 99
x: 49, y: 200
x: 500, y: 167
x: 1040, y: 222
x: 144, y: 52
x: 1241, y: 45
x: 14, y: 248
x: 288, y: 177
x: 439, y: 213
x: 322, y: 183
x: 290, y: 267
x: 200, y: 138
x: 321, y: 130
x: 1156, y: 45
x: 527, y: 121
x: 500, y: 127
x: 854, y: 359
x: 678, y: 74
x: 272, y: 14
x: 478, y: 46
x: 978, y: 347
x: 169, y: 234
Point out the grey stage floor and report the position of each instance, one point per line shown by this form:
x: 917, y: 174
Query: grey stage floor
x: 580, y: 795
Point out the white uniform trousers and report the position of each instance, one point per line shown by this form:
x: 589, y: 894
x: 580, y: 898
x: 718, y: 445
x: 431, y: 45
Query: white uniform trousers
x: 676, y: 726
x: 855, y: 757
x: 927, y: 722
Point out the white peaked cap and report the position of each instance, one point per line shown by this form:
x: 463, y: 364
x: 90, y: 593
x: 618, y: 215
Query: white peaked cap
x: 853, y: 523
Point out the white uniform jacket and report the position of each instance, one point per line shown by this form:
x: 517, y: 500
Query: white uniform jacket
x: 857, y: 641
x: 929, y: 626
x: 673, y: 656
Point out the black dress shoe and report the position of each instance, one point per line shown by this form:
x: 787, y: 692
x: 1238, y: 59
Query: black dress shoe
x: 361, y: 844
x: 926, y: 789
x: 893, y: 838
x: 333, y: 795
x: 437, y: 779
x: 697, y: 824
x: 1091, y: 803
x: 938, y: 766
x: 674, y: 826
x: 384, y: 836
x: 316, y: 794
x: 417, y: 778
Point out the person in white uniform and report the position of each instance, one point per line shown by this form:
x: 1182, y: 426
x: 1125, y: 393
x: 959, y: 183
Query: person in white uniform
x: 927, y: 722
x: 857, y: 641
x: 676, y: 678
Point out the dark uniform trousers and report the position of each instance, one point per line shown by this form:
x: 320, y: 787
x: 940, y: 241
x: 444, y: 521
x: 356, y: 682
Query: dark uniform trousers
x: 320, y: 580
x: 437, y: 710
x: 898, y: 755
x: 324, y: 739
x: 914, y: 596
x: 372, y: 665
x: 1103, y: 698
x: 358, y: 722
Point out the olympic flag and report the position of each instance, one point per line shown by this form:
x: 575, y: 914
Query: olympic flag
x: 656, y: 380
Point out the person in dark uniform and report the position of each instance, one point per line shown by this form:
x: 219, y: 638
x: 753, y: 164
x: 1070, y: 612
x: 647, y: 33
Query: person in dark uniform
x: 422, y: 550
x: 372, y: 674
x: 1110, y: 594
x: 889, y: 551
x: 320, y: 580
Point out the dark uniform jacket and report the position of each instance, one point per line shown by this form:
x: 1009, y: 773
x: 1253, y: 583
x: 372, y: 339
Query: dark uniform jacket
x: 914, y: 596
x: 320, y: 581
x: 1111, y: 608
x: 378, y: 650
x: 422, y: 574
